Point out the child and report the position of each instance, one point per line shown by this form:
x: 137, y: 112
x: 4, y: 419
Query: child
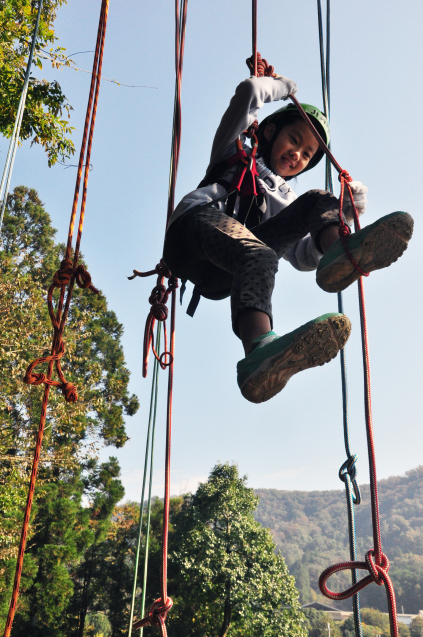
x: 232, y: 247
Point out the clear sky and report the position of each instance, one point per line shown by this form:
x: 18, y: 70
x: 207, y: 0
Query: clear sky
x: 294, y: 441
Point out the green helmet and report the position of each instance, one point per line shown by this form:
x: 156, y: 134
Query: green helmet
x: 315, y: 116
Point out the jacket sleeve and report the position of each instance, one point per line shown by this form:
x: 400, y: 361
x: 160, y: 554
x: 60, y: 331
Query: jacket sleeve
x: 304, y: 255
x: 249, y: 97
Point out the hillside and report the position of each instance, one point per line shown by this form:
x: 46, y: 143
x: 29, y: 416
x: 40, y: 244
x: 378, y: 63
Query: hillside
x: 310, y: 528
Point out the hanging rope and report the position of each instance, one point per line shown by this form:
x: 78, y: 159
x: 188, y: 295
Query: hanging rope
x: 14, y: 140
x: 158, y: 612
x: 347, y: 472
x: 377, y: 564
x: 150, y: 436
x: 65, y: 278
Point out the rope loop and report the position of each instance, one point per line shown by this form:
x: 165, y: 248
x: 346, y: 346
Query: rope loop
x: 163, y: 362
x: 378, y: 573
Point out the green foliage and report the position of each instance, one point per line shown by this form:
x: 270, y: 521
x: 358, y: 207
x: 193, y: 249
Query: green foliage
x: 310, y: 528
x: 45, y: 104
x: 416, y: 628
x: 94, y: 362
x: 230, y: 578
x: 320, y: 624
x: 64, y: 531
x: 97, y: 625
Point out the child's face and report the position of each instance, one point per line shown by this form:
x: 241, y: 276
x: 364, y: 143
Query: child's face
x: 292, y: 149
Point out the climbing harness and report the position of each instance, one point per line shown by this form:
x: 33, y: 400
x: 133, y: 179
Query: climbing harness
x: 64, y: 280
x: 14, y: 140
x: 348, y: 470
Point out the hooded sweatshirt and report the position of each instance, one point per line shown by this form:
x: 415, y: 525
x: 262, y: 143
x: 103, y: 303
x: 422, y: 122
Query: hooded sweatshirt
x: 249, y: 97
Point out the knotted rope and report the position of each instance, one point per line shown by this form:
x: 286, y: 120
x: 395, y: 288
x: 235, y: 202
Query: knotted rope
x: 61, y: 279
x: 376, y: 561
x: 159, y: 312
x: 64, y: 279
x: 156, y: 616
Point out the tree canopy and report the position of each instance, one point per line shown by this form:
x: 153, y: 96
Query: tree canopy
x: 229, y: 575
x: 94, y: 362
x: 43, y: 122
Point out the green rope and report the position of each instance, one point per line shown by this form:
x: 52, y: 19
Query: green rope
x: 147, y: 532
x: 150, y: 435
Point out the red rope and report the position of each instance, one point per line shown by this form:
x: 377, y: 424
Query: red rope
x: 67, y: 275
x: 377, y: 564
x: 158, y: 612
x: 254, y: 34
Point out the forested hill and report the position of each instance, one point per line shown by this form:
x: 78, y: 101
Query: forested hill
x: 310, y: 528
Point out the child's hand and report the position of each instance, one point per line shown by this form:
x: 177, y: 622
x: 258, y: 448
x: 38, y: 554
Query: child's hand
x: 359, y: 193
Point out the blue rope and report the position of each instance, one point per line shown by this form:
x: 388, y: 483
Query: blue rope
x: 11, y: 153
x: 348, y: 471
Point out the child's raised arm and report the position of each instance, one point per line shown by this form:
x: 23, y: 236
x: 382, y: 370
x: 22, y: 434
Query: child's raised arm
x: 249, y: 97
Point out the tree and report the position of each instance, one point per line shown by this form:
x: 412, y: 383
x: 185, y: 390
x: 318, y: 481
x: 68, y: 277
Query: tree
x: 321, y: 624
x: 97, y: 625
x: 42, y: 121
x: 416, y: 628
x: 93, y: 361
x: 64, y: 531
x: 230, y: 577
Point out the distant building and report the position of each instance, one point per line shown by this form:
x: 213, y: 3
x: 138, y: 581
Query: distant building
x: 340, y: 615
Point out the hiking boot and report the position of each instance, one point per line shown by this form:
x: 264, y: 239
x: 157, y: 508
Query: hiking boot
x: 372, y: 248
x: 268, y: 368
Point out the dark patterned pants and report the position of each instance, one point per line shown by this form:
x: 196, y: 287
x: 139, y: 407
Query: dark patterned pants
x: 221, y: 256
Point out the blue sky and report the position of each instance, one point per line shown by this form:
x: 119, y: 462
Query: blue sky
x: 294, y: 441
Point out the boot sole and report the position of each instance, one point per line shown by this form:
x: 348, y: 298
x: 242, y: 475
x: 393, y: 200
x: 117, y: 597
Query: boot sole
x: 382, y: 247
x: 319, y: 344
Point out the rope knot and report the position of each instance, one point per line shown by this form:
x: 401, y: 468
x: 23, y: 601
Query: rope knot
x: 159, y: 611
x: 348, y: 468
x: 83, y: 277
x: 162, y: 269
x: 159, y: 311
x: 34, y: 379
x: 344, y: 174
x: 157, y: 294
x: 173, y: 283
x: 344, y: 231
x: 377, y: 571
x: 64, y: 274
x: 263, y: 68
x: 69, y: 392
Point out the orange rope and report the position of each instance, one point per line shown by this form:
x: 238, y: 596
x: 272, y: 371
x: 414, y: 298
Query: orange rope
x: 69, y: 273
